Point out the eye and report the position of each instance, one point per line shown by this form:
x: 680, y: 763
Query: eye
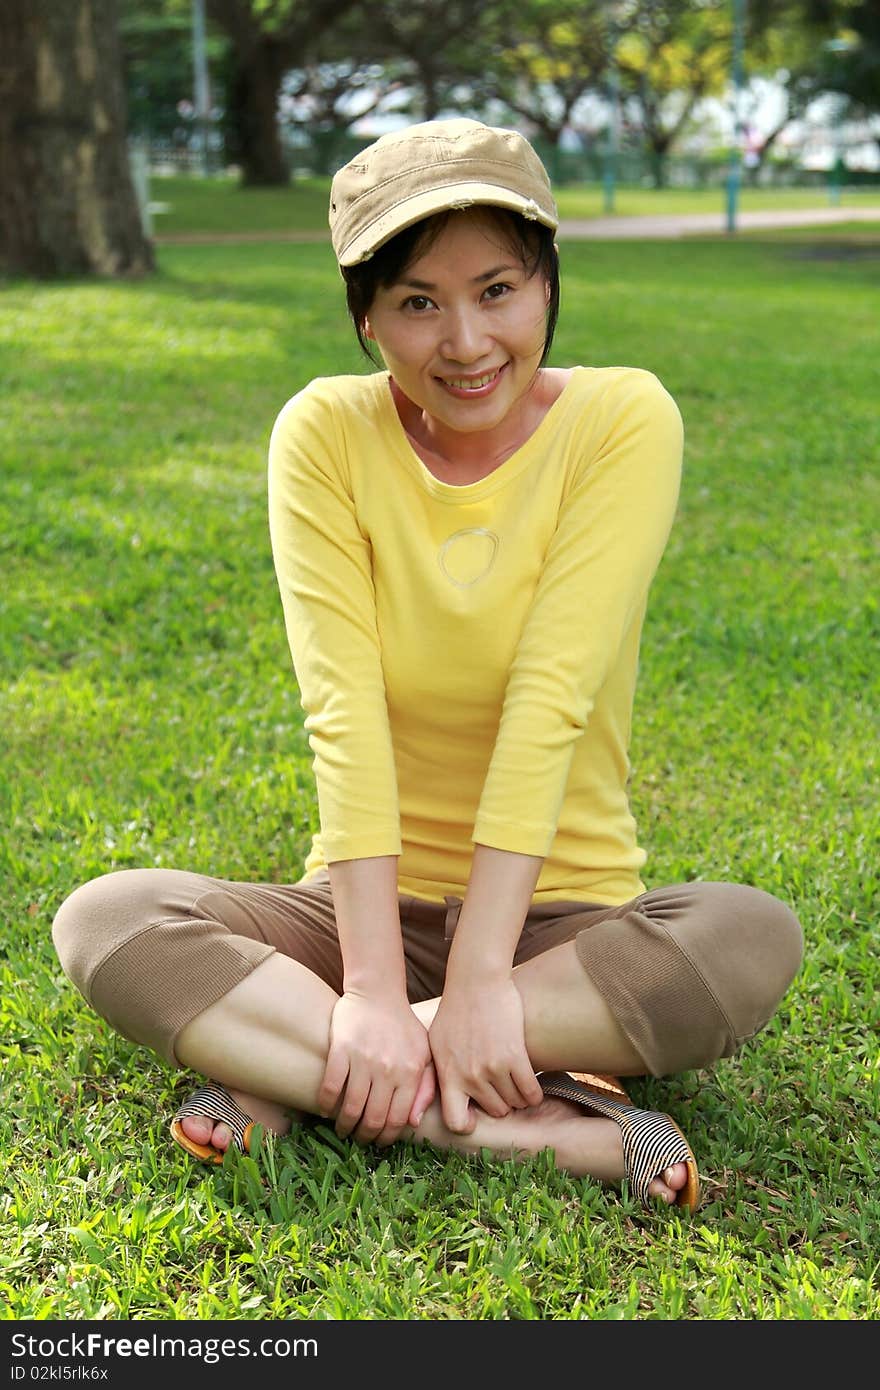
x: 497, y: 291
x: 418, y: 303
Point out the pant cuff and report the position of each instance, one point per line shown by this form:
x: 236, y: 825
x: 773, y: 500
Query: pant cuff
x: 159, y: 980
x: 655, y: 993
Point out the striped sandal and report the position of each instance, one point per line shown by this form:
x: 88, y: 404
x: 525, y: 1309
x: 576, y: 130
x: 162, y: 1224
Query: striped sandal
x: 652, y: 1141
x: 212, y: 1102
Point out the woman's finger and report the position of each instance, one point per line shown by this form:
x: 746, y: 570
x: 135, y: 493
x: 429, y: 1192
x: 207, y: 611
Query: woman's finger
x: 508, y: 1092
x: 332, y: 1082
x: 457, y: 1112
x: 353, y: 1102
x: 375, y: 1114
x: 489, y: 1099
x: 527, y: 1084
x: 397, y: 1121
x: 425, y: 1094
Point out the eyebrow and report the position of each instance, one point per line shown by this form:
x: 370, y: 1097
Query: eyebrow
x: 477, y: 280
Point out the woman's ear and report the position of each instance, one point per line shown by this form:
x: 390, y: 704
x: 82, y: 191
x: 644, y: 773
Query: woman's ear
x: 547, y: 287
x: 368, y: 332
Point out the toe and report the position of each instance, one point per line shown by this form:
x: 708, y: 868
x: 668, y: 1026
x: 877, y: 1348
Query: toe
x: 676, y: 1177
x: 198, y: 1128
x: 658, y: 1188
x: 669, y: 1183
x: 222, y: 1137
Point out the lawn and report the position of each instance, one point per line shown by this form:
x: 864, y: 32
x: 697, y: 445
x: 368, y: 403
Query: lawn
x: 187, y: 206
x: 150, y: 716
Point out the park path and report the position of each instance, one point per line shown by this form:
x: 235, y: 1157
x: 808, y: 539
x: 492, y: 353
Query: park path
x: 666, y: 227
x: 694, y: 223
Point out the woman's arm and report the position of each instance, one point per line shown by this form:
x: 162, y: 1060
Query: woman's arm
x: 323, y: 564
x: 379, y: 1063
x: 477, y: 1033
x: 379, y: 1075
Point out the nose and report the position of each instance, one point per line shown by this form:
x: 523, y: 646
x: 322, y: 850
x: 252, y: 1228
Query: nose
x: 465, y: 340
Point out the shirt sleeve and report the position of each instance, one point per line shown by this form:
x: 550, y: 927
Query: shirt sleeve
x: 323, y: 564
x: 612, y: 530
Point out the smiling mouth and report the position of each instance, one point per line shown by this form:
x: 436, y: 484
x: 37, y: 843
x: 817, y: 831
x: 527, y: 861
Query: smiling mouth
x: 472, y: 385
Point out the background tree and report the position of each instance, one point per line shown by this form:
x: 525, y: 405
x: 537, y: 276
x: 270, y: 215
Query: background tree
x: 851, y: 60
x: 784, y: 45
x: 670, y: 54
x: 267, y: 38
x: 301, y: 72
x: 426, y: 54
x: 69, y: 203
x: 547, y: 56
x: 157, y: 62
x: 435, y: 46
x: 811, y: 47
x: 320, y: 103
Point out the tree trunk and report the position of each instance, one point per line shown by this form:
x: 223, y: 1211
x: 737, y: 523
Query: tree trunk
x: 68, y: 200
x: 430, y: 97
x: 253, y: 98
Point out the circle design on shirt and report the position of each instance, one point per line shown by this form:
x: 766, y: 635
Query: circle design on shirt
x: 467, y: 556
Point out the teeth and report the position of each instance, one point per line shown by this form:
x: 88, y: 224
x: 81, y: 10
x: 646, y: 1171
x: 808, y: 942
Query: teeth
x: 470, y: 383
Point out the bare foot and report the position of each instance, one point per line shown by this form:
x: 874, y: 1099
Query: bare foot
x: 585, y: 1150
x: 274, y: 1118
x: 583, y: 1145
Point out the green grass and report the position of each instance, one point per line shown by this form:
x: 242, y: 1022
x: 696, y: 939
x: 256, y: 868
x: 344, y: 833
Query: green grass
x: 150, y: 716
x: 190, y: 206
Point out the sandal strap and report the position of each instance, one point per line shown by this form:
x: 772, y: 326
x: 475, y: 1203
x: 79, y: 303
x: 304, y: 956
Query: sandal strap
x: 213, y: 1102
x: 652, y: 1141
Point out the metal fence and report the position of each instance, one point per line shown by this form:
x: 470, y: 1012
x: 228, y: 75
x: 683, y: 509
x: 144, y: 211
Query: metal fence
x: 323, y: 153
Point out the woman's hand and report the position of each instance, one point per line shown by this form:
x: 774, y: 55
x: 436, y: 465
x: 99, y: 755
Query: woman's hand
x: 478, y: 1044
x: 379, y: 1077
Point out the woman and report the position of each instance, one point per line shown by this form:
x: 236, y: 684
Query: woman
x: 464, y: 544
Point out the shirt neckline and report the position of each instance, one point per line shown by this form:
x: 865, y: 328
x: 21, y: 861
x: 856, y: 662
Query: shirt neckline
x: 468, y: 492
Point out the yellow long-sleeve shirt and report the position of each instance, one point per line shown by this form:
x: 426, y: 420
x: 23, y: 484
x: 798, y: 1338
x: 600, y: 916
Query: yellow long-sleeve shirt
x: 467, y: 655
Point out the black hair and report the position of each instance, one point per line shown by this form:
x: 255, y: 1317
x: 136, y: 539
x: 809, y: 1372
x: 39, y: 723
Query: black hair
x: 535, y: 244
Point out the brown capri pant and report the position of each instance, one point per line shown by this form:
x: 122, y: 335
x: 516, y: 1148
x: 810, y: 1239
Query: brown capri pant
x: 689, y: 972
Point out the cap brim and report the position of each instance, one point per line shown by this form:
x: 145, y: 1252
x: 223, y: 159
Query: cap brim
x: 447, y: 198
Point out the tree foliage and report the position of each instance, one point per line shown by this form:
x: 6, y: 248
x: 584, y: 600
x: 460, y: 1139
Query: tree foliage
x: 851, y: 62
x: 551, y: 65
x: 545, y: 57
x: 157, y: 61
x: 671, y: 54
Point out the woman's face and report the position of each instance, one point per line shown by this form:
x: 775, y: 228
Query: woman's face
x: 462, y: 331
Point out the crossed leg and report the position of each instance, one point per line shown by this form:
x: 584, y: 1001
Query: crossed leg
x: 267, y: 1039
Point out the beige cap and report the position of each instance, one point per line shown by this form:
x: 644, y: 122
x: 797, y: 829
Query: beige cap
x: 433, y: 167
